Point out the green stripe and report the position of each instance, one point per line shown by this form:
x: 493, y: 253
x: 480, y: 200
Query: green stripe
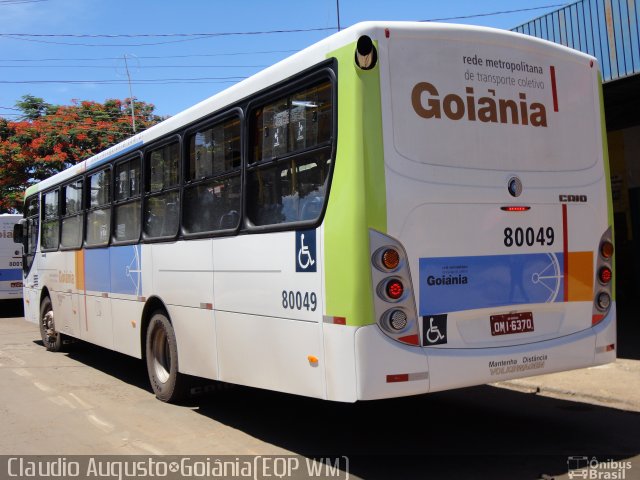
x: 31, y: 190
x: 358, y: 196
x: 607, y: 177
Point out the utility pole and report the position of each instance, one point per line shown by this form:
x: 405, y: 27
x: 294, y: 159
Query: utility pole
x: 133, y: 117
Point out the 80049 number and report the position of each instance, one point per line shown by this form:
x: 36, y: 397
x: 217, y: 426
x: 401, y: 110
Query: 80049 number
x: 519, y: 237
x: 299, y: 300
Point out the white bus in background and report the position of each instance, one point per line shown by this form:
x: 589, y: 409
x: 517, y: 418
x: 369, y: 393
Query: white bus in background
x: 398, y: 209
x: 10, y: 260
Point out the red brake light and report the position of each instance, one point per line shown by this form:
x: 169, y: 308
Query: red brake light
x: 515, y: 208
x: 605, y: 275
x: 394, y: 289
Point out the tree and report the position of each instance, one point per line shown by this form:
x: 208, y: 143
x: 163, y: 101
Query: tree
x: 50, y: 138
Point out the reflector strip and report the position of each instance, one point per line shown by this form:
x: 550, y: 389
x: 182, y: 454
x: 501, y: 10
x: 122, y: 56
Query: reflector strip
x: 412, y: 339
x: 105, y: 295
x: 398, y: 377
x: 335, y: 320
x: 596, y: 319
x: 607, y: 348
x: 407, y: 377
x: 142, y: 299
x: 206, y: 306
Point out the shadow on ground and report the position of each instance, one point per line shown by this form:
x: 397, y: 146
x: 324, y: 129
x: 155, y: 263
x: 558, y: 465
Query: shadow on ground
x: 479, y: 432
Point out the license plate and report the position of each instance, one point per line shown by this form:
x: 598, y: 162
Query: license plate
x: 511, y: 323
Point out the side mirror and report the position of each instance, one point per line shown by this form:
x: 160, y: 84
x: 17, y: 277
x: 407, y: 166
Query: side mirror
x: 18, y: 231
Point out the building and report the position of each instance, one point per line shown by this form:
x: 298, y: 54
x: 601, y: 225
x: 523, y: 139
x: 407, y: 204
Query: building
x: 610, y: 31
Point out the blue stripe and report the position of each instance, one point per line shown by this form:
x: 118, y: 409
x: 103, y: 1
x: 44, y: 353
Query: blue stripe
x: 9, y: 274
x: 451, y: 284
x: 113, y: 270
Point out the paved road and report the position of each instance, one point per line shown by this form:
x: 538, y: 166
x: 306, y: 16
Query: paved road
x: 92, y: 401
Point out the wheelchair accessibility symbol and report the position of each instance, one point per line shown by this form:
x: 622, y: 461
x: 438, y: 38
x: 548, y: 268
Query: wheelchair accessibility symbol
x: 434, y: 329
x: 306, y: 251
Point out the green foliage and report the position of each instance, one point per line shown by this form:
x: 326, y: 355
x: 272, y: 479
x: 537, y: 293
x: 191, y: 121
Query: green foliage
x: 49, y: 138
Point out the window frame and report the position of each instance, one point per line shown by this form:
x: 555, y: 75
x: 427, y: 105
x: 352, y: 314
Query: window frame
x: 79, y: 213
x: 146, y: 185
x: 322, y: 72
x: 108, y: 167
x: 28, y: 255
x: 131, y: 199
x: 216, y: 119
x: 43, y: 219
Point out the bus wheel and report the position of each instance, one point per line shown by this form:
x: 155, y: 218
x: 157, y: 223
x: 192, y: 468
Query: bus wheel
x: 162, y: 360
x: 51, y: 338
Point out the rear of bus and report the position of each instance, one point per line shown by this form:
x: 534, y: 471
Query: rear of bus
x: 497, y: 259
x: 10, y: 260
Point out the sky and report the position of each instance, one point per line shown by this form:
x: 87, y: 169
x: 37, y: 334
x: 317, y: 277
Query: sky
x: 64, y: 50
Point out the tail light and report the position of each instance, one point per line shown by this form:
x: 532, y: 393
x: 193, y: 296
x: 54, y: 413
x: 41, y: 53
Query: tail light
x: 391, y: 280
x: 606, y: 249
x: 604, y: 276
x: 393, y: 289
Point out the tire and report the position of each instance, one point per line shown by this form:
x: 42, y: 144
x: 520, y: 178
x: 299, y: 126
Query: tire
x: 51, y: 338
x: 162, y: 360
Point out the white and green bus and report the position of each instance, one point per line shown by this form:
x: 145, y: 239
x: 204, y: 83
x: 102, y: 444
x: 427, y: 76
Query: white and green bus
x: 398, y: 209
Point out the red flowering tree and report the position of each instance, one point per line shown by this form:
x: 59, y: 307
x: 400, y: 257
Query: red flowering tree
x: 49, y: 138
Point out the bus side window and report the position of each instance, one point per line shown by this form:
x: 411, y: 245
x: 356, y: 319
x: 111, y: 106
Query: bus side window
x: 291, y: 154
x: 162, y: 204
x: 99, y: 214
x: 71, y: 236
x: 51, y: 222
x: 127, y: 201
x: 213, y: 191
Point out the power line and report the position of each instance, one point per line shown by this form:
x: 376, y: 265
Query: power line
x: 186, y: 37
x: 141, y: 66
x: 37, y: 37
x: 144, y: 57
x: 163, y: 35
x: 19, y: 2
x: 493, y: 13
x: 123, y: 81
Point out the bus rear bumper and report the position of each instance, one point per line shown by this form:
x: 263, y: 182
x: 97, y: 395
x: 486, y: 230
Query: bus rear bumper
x: 386, y: 368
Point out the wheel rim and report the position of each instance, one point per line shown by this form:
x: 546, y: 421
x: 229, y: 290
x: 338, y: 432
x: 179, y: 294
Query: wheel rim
x: 161, y: 355
x: 49, y: 334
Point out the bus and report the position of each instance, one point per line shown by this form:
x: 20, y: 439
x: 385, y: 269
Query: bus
x: 10, y: 261
x: 401, y: 208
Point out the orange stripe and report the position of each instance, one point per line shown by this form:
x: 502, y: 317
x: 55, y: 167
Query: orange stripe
x: 80, y: 270
x: 580, y: 278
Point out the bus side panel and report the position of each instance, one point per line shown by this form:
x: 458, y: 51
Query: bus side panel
x: 196, y: 336
x: 183, y: 280
x: 98, y: 325
x: 269, y: 312
x: 340, y: 362
x: 126, y: 326
x: 67, y: 301
x: 271, y: 353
